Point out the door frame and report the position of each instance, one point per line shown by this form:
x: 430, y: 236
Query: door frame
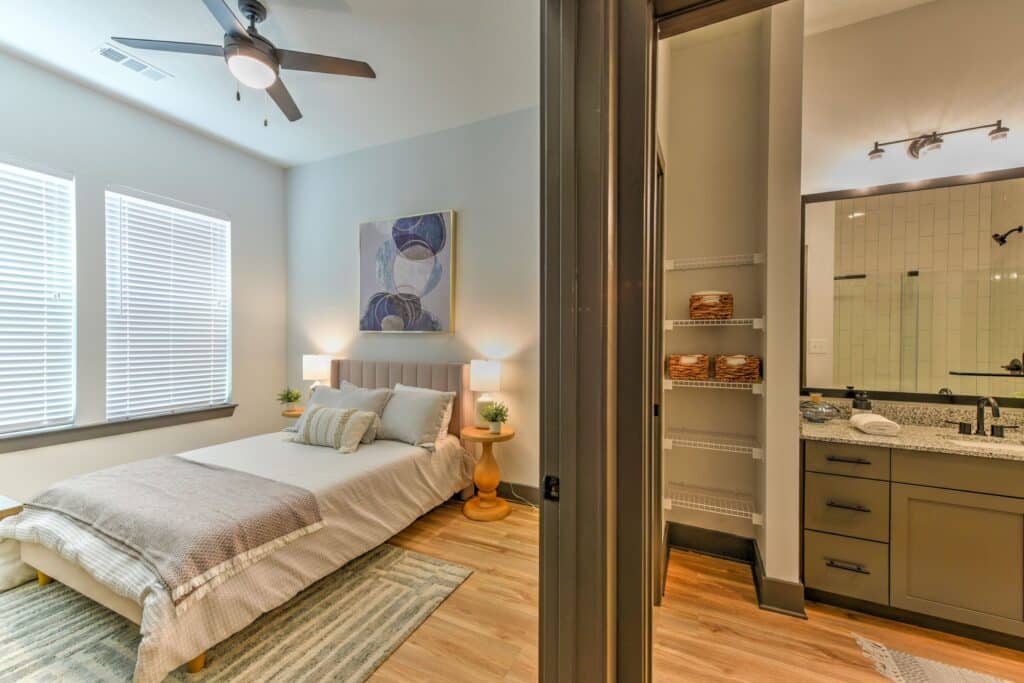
x: 597, y: 167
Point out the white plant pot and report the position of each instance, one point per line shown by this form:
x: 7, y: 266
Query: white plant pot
x: 495, y: 427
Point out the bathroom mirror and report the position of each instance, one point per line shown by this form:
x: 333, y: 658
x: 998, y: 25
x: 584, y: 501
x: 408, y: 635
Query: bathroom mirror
x: 916, y: 291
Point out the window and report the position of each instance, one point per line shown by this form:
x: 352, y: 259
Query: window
x: 168, y: 308
x: 37, y: 306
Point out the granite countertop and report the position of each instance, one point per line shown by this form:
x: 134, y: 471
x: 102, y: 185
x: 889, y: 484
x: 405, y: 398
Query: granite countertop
x: 915, y: 438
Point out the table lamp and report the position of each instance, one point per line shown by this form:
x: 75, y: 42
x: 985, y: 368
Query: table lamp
x: 317, y: 369
x: 484, y: 376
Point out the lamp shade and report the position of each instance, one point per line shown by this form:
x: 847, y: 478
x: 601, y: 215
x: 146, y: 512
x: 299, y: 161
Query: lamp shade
x: 484, y: 375
x: 317, y: 368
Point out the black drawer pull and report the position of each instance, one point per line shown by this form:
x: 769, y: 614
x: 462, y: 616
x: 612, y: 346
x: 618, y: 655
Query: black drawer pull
x: 848, y: 461
x: 844, y: 506
x: 846, y: 566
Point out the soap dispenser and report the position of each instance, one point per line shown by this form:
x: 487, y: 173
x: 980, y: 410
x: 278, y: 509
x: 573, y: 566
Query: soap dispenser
x: 861, y: 403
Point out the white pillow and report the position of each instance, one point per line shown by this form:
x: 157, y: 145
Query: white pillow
x: 351, y: 396
x: 447, y: 420
x: 416, y: 416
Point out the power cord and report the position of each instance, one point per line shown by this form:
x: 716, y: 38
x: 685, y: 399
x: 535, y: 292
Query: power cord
x: 512, y: 490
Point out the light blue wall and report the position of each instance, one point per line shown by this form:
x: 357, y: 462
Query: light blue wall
x: 489, y: 173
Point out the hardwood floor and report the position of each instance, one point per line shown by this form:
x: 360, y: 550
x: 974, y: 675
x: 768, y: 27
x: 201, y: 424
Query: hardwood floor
x: 487, y: 629
x: 708, y: 629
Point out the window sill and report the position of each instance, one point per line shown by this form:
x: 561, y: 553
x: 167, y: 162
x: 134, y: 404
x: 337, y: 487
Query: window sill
x: 71, y: 433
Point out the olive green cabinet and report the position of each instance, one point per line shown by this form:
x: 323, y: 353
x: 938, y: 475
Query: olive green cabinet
x: 936, y: 534
x: 958, y: 555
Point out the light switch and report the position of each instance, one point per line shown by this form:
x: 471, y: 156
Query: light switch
x: 817, y: 346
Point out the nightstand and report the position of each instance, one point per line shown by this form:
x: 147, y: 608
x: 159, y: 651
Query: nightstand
x: 297, y: 411
x: 486, y: 506
x: 13, y: 572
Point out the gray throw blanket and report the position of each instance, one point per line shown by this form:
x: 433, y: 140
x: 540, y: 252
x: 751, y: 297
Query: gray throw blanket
x: 195, y: 524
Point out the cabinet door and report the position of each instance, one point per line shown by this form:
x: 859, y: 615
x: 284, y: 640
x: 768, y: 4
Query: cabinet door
x: 959, y: 556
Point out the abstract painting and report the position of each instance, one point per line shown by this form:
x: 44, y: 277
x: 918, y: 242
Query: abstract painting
x: 405, y: 273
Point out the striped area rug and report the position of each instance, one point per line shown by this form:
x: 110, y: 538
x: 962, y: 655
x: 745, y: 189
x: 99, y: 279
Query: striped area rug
x: 344, y: 627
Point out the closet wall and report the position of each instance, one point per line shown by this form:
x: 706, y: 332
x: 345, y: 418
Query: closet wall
x: 733, y: 190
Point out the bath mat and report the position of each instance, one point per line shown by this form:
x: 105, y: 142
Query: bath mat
x: 906, y: 668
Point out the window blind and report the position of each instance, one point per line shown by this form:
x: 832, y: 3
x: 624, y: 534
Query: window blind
x: 168, y: 308
x: 37, y: 307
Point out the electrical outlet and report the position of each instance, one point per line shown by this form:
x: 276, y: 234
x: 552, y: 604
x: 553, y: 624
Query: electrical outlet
x: 817, y: 346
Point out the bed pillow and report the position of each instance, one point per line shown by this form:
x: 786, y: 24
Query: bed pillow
x: 416, y: 416
x: 447, y: 419
x: 338, y: 428
x: 351, y: 396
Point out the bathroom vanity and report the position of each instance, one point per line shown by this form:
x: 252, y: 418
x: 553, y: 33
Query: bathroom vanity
x: 928, y: 525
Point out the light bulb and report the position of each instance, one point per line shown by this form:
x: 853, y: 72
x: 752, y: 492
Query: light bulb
x: 251, y: 72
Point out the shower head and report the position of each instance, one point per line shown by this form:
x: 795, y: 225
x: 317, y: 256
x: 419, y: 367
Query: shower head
x: 1001, y: 238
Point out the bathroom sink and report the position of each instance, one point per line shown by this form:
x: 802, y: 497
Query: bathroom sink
x: 989, y: 445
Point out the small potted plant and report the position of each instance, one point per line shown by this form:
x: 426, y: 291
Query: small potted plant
x: 496, y: 414
x: 289, y: 397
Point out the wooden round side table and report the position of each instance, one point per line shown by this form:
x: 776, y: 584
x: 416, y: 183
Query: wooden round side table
x: 486, y: 506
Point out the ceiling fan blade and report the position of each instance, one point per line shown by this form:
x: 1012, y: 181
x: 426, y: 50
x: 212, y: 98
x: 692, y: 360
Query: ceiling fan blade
x: 172, y: 46
x: 284, y: 100
x: 225, y: 17
x: 304, y: 61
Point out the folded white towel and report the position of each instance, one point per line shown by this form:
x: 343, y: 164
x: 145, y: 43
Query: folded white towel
x: 870, y: 423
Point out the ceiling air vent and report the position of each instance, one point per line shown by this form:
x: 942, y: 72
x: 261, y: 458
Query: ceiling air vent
x: 131, y: 62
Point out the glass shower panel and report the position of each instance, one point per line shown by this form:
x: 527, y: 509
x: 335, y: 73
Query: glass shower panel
x: 868, y: 330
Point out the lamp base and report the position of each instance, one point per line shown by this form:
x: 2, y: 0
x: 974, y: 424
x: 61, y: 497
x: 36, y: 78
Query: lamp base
x: 485, y: 401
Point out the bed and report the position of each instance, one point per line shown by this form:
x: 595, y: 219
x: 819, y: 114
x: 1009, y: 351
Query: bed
x: 365, y: 498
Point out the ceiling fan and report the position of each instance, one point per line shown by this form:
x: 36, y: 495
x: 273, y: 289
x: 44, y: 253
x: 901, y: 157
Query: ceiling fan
x: 253, y: 59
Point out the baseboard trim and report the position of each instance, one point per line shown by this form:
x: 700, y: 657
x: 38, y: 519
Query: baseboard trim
x: 773, y: 595
x: 528, y: 493
x: 710, y: 542
x: 916, y: 619
x: 777, y: 595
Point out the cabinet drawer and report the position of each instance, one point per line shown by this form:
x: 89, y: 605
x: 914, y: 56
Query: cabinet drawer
x: 848, y: 506
x: 847, y: 566
x: 853, y: 461
x: 963, y: 472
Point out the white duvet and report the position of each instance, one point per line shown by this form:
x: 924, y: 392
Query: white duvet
x: 365, y: 498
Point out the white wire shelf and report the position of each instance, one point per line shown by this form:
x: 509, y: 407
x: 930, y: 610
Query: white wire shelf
x: 681, y: 496
x: 713, y: 441
x: 755, y: 388
x: 702, y: 262
x: 756, y: 323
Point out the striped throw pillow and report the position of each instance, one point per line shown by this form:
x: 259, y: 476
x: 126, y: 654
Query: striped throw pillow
x: 338, y: 428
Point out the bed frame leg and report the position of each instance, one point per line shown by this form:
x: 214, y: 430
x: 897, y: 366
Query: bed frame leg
x: 196, y: 665
x: 43, y: 579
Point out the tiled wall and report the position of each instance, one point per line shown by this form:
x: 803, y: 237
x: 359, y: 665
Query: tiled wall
x: 962, y: 311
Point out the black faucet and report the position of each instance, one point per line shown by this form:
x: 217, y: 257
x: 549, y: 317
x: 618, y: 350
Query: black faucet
x: 982, y: 402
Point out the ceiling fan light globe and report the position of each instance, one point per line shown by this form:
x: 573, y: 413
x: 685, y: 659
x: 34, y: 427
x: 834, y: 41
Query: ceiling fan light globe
x: 251, y: 72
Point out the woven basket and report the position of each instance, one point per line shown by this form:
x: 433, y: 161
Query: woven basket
x: 710, y: 306
x: 699, y: 366
x: 741, y: 369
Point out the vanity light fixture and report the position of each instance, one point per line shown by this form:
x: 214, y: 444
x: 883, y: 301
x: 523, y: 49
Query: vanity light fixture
x: 926, y: 143
x: 999, y: 132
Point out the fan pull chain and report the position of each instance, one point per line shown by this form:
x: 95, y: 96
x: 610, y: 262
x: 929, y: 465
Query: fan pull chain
x: 265, y: 97
x: 238, y: 92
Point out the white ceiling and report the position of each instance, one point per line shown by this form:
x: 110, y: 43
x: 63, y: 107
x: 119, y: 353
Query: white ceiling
x: 439, y: 63
x: 825, y: 15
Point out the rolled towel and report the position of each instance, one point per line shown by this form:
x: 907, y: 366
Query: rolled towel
x: 870, y: 423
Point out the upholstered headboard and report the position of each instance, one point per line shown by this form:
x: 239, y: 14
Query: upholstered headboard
x: 375, y: 374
